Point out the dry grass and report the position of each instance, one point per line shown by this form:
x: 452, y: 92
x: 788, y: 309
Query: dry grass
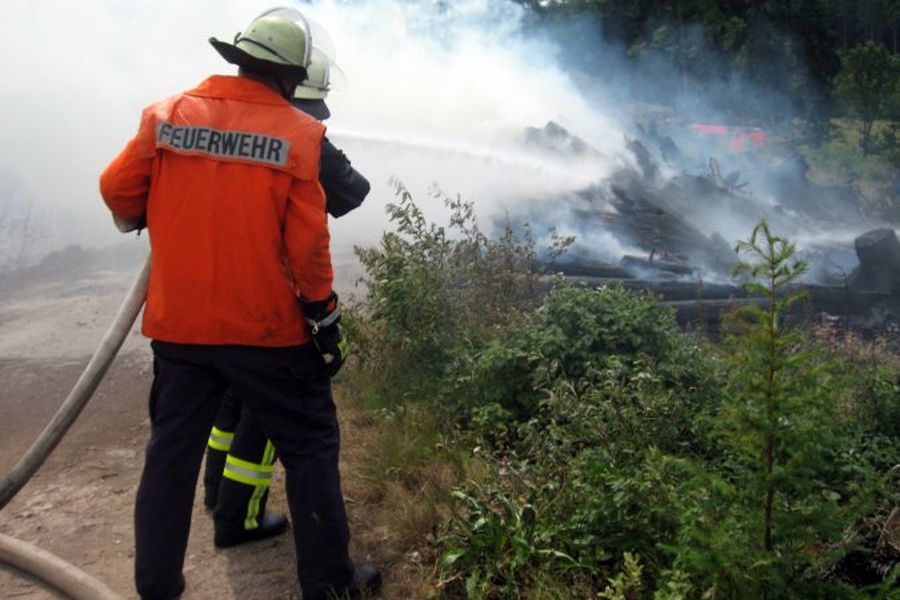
x: 397, y: 482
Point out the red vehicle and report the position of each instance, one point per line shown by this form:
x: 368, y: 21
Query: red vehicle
x: 740, y: 139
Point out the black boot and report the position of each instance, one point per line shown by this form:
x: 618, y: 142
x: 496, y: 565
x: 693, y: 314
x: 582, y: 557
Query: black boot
x: 233, y: 534
x: 366, y: 582
x: 175, y: 594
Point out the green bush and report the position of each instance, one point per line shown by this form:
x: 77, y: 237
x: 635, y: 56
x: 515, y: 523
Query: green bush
x: 582, y: 335
x: 616, y: 457
x: 583, y: 400
x: 436, y: 294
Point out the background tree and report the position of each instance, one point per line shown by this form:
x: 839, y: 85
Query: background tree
x: 868, y: 82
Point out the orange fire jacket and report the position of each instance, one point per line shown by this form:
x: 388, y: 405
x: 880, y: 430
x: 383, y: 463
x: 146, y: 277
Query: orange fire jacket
x: 228, y: 176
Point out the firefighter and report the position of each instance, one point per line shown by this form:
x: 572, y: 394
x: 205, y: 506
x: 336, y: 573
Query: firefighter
x: 239, y: 457
x: 240, y: 297
x: 345, y: 188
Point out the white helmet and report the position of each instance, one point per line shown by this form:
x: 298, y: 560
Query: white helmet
x: 320, y: 74
x: 279, y: 41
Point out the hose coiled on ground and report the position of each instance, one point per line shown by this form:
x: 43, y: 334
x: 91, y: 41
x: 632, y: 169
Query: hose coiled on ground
x: 42, y: 564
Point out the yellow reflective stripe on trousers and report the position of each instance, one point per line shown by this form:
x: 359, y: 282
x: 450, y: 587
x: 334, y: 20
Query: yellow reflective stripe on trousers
x: 220, y: 440
x: 251, y: 522
x: 246, y: 472
x: 257, y: 475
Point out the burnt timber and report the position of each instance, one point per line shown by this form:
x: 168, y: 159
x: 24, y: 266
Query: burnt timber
x: 676, y: 253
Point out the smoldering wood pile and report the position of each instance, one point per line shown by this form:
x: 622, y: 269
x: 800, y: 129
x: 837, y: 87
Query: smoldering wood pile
x: 701, y: 306
x: 672, y: 255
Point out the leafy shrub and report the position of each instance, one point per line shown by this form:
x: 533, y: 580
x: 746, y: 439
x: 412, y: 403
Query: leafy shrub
x: 572, y: 521
x: 497, y: 546
x: 873, y: 371
x: 578, y: 335
x: 583, y: 399
x: 438, y: 293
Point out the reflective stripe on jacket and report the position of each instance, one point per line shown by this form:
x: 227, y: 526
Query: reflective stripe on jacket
x: 227, y: 174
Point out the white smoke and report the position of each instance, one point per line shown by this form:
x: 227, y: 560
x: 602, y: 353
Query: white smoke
x: 438, y: 93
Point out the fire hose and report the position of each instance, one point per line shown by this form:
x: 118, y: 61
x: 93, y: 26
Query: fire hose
x: 43, y: 565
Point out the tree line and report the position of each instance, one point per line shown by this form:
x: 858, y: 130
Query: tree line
x: 831, y: 24
x: 820, y: 58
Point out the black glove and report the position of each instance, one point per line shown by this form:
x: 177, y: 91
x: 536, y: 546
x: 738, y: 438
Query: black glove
x: 323, y: 320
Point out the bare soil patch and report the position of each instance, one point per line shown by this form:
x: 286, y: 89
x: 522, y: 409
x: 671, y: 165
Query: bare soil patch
x: 79, y: 506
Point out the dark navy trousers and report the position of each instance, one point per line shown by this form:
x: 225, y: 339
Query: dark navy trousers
x: 285, y: 390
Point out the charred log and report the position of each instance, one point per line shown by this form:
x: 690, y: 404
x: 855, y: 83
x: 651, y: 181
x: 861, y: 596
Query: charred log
x: 591, y: 269
x: 701, y: 305
x: 656, y: 266
x: 879, y: 262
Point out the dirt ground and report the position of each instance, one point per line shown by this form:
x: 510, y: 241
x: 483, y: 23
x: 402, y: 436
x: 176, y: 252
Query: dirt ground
x: 79, y: 505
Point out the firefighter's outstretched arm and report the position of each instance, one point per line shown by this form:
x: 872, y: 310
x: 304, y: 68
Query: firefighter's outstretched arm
x: 345, y: 187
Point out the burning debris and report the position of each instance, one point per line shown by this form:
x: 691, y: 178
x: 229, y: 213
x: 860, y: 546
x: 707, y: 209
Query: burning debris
x: 556, y: 138
x: 675, y: 222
